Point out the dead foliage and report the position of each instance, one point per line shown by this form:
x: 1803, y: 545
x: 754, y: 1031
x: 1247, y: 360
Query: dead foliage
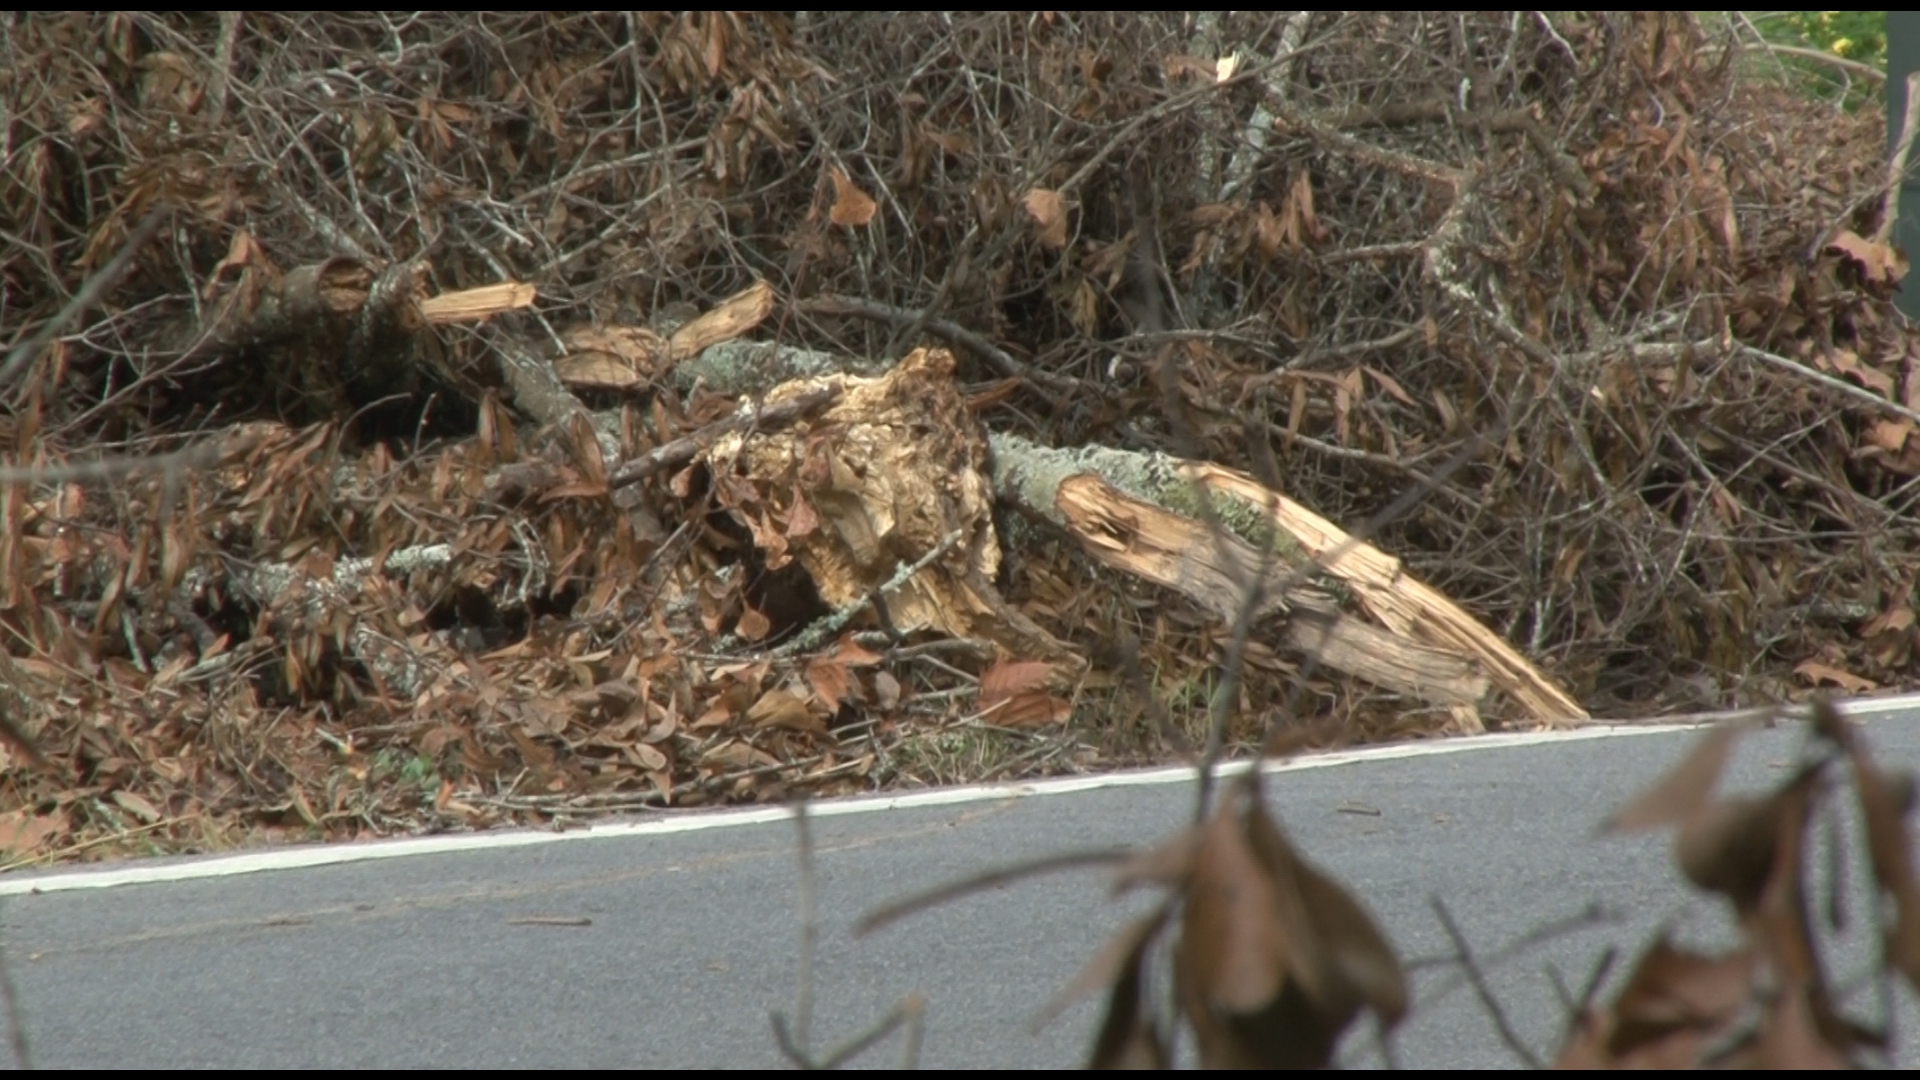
x: 1265, y: 961
x: 1767, y: 1003
x: 335, y: 342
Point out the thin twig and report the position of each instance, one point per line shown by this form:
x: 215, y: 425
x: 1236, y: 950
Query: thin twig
x: 222, y: 71
x: 1841, y: 386
x: 1165, y: 107
x: 916, y: 1009
x: 16, y: 1024
x: 1005, y: 875
x: 114, y: 468
x: 907, y: 1012
x: 807, y: 899
x: 976, y: 343
x: 1821, y: 55
x: 687, y: 447
x: 1897, y: 166
x: 1485, y: 993
x: 1596, y: 978
x: 90, y: 292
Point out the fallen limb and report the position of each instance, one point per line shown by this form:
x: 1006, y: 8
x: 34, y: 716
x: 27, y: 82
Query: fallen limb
x: 687, y: 447
x: 1407, y: 605
x: 1140, y: 518
x: 1210, y: 567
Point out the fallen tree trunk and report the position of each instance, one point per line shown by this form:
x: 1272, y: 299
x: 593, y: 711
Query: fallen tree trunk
x: 1136, y: 512
x: 1214, y: 568
x: 1404, y: 603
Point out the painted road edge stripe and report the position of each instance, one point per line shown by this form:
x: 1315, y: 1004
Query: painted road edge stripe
x: 295, y: 858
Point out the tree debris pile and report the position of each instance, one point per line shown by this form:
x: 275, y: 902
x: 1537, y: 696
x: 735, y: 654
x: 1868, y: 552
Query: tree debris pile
x: 373, y: 413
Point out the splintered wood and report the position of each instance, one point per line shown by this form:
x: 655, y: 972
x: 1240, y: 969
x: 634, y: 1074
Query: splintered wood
x: 624, y: 357
x: 1209, y: 567
x: 472, y: 305
x: 892, y: 474
x: 1204, y: 531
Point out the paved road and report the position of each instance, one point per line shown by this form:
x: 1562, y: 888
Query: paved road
x: 668, y: 949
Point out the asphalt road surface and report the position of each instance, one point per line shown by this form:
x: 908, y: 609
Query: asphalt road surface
x: 668, y: 943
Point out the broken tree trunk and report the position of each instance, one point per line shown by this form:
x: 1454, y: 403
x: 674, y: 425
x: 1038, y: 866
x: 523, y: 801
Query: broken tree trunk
x: 1213, y: 568
x: 890, y: 475
x: 1138, y: 512
x: 1406, y: 604
x: 349, y: 332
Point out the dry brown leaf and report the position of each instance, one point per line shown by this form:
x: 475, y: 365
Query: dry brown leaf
x: 1006, y: 678
x: 1674, y: 986
x: 583, y: 445
x: 1168, y: 863
x: 1831, y: 726
x: 1030, y: 708
x: 851, y: 206
x: 782, y: 708
x: 1049, y: 213
x: 1888, y: 435
x: 1847, y: 362
x: 1236, y: 936
x: 23, y: 832
x: 1686, y: 787
x: 1791, y: 1036
x: 849, y: 652
x: 1359, y: 967
x: 1585, y: 1046
x: 886, y: 690
x: 1187, y: 64
x: 1732, y: 846
x: 1879, y: 263
x: 1267, y: 231
x: 137, y: 805
x: 1299, y: 221
x: 1817, y: 673
x: 801, y: 519
x: 1728, y: 847
x: 1671, y: 1006
x: 830, y: 681
x: 1129, y: 1038
x: 242, y: 251
x: 647, y: 757
x: 16, y: 739
x: 1895, y: 620
x: 719, y: 711
x: 752, y: 625
x: 739, y: 755
x: 662, y: 781
x: 1391, y: 386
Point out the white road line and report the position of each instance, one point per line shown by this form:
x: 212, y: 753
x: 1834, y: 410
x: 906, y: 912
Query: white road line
x: 334, y: 854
